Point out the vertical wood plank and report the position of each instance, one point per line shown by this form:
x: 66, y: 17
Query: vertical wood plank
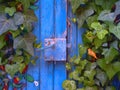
x: 34, y: 70
x: 47, y: 31
x: 60, y: 28
x: 72, y: 33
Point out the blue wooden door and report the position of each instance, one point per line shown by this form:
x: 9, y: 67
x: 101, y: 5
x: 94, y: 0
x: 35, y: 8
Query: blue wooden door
x: 49, y: 75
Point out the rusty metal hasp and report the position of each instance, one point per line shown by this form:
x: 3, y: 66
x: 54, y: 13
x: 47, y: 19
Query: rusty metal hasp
x: 56, y: 50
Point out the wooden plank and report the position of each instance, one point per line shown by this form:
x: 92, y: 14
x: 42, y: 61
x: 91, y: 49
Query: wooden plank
x: 35, y: 70
x: 72, y: 33
x: 47, y: 31
x: 60, y: 29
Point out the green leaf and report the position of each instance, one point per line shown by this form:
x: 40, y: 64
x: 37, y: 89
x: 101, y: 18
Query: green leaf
x: 3, y: 43
x: 110, y: 54
x: 90, y: 36
x: 12, y: 69
x: 90, y: 74
x: 101, y: 32
x: 10, y: 10
x: 21, y: 67
x: 105, y: 4
x: 76, y: 3
x: 83, y: 63
x: 25, y: 43
x: 2, y: 8
x: 74, y: 75
x: 101, y: 76
x: 68, y: 66
x: 29, y: 78
x: 82, y: 50
x: 106, y: 16
x: 110, y: 69
x: 98, y: 42
x: 77, y: 60
x: 84, y: 15
x: 97, y: 26
x: 88, y: 83
x: 26, y: 4
x: 91, y: 88
x: 69, y: 85
x: 91, y: 19
x: 115, y: 30
x: 18, y: 59
x: 116, y: 66
x: 110, y: 88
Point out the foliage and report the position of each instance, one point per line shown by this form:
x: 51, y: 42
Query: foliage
x: 98, y: 61
x: 16, y: 42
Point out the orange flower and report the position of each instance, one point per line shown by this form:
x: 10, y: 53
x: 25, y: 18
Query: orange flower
x: 92, y: 53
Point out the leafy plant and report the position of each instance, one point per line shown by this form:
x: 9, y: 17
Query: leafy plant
x: 98, y: 61
x: 16, y: 42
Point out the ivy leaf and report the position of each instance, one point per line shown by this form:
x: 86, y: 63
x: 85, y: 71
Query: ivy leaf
x: 18, y: 59
x: 116, y: 66
x: 117, y: 10
x: 101, y: 76
x: 84, y: 15
x: 110, y: 69
x: 98, y: 42
x: 110, y: 88
x: 91, y: 19
x: 90, y: 36
x: 6, y: 24
x: 106, y: 15
x: 2, y: 8
x: 88, y: 83
x: 29, y: 78
x: 110, y: 54
x: 105, y: 4
x: 91, y: 88
x: 68, y: 66
x: 82, y: 50
x: 101, y: 32
x: 97, y: 26
x: 10, y: 10
x: 3, y: 43
x: 25, y: 43
x: 115, y: 29
x: 76, y: 3
x: 18, y: 18
x: 69, y: 85
x: 21, y: 67
x: 74, y: 75
x: 29, y: 17
x: 11, y: 69
x: 90, y: 74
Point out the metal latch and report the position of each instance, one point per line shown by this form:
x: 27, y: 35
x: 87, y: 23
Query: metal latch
x: 56, y: 50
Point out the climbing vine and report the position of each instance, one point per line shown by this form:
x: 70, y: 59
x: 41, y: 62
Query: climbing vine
x: 17, y: 42
x: 97, y: 67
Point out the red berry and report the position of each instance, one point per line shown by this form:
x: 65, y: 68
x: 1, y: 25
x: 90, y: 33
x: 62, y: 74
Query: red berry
x: 2, y: 67
x: 5, y: 87
x: 16, y: 80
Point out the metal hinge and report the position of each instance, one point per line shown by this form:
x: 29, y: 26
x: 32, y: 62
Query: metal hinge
x: 55, y: 49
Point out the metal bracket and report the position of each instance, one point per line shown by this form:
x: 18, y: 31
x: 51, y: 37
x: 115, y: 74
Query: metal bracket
x: 56, y: 50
